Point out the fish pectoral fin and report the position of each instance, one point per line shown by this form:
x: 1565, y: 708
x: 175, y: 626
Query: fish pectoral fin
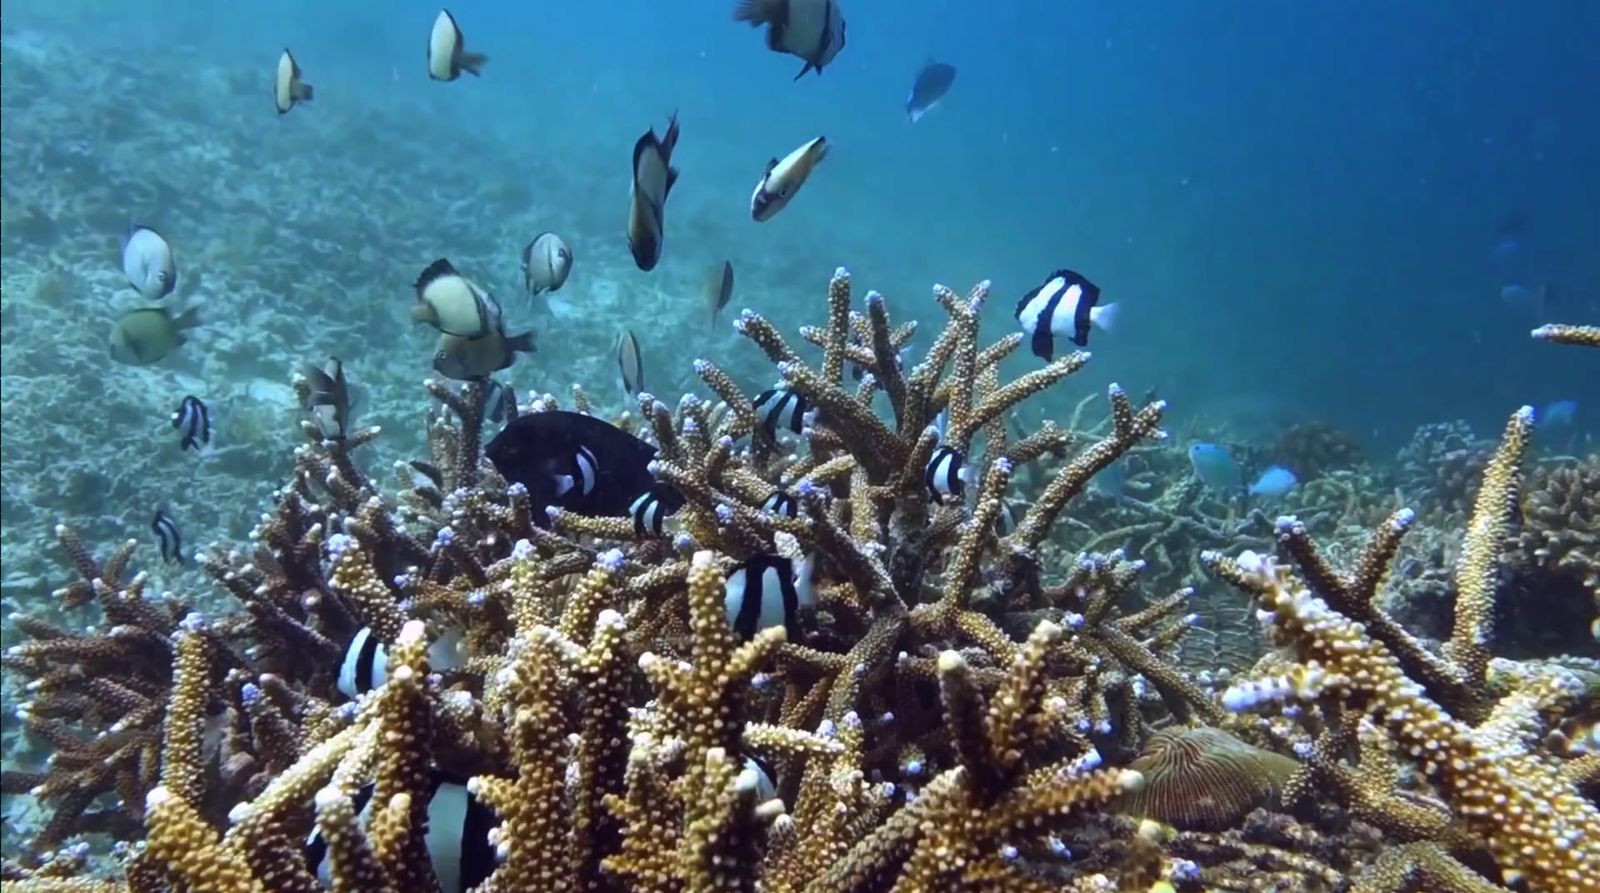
x: 472, y: 63
x: 523, y: 343
x: 302, y: 91
x: 672, y: 177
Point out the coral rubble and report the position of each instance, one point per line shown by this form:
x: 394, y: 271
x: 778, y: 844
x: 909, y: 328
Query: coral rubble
x: 963, y: 708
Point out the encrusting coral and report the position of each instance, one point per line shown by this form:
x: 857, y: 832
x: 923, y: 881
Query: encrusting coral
x: 567, y: 703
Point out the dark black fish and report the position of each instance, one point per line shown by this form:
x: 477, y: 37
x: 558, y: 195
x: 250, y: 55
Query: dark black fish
x: 458, y: 835
x: 193, y: 421
x: 167, y: 535
x: 573, y: 461
x: 932, y: 83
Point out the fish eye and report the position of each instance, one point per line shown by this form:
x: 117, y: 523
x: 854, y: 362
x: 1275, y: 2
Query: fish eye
x: 784, y: 192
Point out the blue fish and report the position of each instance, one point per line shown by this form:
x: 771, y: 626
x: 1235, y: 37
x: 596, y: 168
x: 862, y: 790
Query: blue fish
x: 1559, y: 414
x: 1215, y: 468
x: 1274, y: 482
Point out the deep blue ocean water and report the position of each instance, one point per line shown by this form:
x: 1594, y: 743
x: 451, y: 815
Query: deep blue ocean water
x: 1297, y: 203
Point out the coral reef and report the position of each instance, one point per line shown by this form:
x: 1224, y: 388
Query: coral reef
x: 962, y: 709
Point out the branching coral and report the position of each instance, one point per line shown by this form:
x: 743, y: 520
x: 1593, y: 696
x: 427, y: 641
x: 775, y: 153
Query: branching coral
x: 567, y: 702
x: 1477, y: 739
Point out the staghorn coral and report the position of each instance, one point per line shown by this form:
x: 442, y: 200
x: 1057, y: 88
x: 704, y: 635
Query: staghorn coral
x: 1476, y: 736
x: 940, y: 721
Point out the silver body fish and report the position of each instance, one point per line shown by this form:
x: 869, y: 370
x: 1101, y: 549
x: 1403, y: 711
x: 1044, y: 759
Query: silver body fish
x: 546, y: 263
x: 287, y: 87
x: 782, y: 179
x: 653, y: 176
x: 447, y: 51
x: 452, y: 304
x: 630, y: 364
x: 813, y: 30
x: 719, y: 288
x: 147, y: 261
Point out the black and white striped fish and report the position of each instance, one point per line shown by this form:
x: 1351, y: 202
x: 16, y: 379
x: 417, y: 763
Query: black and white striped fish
x: 768, y: 590
x: 366, y: 660
x: 1066, y: 304
x: 781, y: 503
x: 650, y: 510
x: 947, y: 475
x: 780, y: 408
x: 458, y: 835
x: 167, y: 535
x: 193, y: 421
x: 328, y: 402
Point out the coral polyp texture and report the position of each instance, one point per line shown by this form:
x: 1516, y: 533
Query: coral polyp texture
x: 968, y: 705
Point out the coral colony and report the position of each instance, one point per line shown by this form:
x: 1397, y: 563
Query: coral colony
x: 416, y: 687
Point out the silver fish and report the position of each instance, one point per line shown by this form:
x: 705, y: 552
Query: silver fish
x: 782, y: 179
x: 546, y: 262
x: 719, y: 288
x: 630, y: 364
x: 287, y: 87
x: 141, y: 337
x: 452, y: 304
x: 447, y: 51
x: 147, y: 261
x: 810, y: 29
x: 653, y: 176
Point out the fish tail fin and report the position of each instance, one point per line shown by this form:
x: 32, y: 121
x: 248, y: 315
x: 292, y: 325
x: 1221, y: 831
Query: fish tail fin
x: 1105, y: 316
x: 303, y: 91
x: 756, y: 12
x: 522, y: 343
x: 807, y: 70
x: 473, y: 63
x: 188, y: 319
x: 670, y: 141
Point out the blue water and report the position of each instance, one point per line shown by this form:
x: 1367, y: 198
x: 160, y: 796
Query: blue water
x: 1296, y: 202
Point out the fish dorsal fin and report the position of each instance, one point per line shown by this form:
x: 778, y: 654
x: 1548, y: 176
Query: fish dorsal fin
x: 772, y: 163
x: 434, y: 272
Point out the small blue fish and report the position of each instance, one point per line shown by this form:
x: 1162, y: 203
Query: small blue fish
x: 1274, y: 482
x: 1559, y: 414
x: 1215, y: 468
